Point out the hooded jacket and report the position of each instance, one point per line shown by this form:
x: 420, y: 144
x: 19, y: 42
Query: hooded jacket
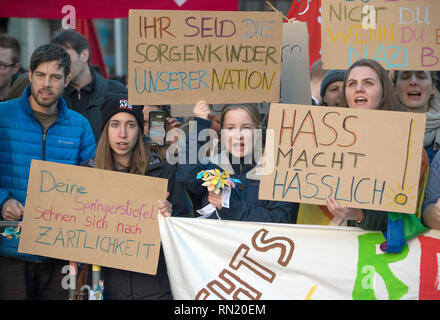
x: 69, y: 140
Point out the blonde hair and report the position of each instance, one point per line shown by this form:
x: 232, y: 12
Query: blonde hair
x: 140, y: 156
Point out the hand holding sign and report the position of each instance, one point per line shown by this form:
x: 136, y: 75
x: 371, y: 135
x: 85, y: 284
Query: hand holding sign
x: 165, y: 207
x: 93, y: 216
x: 342, y: 212
x: 12, y: 210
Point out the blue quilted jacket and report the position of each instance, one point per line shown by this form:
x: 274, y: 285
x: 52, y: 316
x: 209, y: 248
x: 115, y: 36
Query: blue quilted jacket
x: 69, y: 140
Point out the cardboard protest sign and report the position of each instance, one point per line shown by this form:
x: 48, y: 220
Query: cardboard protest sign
x: 401, y: 35
x: 363, y: 158
x: 295, y: 74
x: 93, y: 216
x: 180, y: 57
x: 264, y: 261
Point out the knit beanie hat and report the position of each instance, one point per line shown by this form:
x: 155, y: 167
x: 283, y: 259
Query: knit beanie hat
x: 330, y: 77
x: 114, y: 104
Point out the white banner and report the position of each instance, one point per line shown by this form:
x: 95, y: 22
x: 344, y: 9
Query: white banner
x: 211, y: 259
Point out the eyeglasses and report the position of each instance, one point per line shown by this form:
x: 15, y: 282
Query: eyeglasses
x: 5, y: 66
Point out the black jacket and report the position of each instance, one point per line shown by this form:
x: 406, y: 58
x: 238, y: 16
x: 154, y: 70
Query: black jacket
x: 162, y: 169
x: 92, y: 112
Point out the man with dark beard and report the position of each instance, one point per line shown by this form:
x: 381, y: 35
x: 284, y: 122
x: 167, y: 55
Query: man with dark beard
x: 38, y: 125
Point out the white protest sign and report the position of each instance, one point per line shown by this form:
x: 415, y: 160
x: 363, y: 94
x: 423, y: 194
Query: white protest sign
x: 212, y: 259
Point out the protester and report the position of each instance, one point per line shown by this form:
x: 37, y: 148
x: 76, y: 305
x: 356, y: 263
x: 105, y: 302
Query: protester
x: 331, y: 88
x: 367, y: 86
x: 38, y: 125
x: 10, y: 52
x: 316, y: 76
x: 121, y: 148
x: 417, y: 93
x: 240, y: 124
x: 87, y: 88
x: 431, y: 205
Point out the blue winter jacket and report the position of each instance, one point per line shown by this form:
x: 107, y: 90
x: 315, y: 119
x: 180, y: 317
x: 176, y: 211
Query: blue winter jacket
x: 244, y: 204
x: 69, y: 140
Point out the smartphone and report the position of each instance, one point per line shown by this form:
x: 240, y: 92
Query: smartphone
x: 156, y: 128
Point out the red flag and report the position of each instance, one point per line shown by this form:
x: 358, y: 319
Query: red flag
x: 87, y: 29
x: 102, y: 9
x: 309, y: 11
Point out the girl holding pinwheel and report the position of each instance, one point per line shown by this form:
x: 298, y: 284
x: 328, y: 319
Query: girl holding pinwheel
x: 225, y: 184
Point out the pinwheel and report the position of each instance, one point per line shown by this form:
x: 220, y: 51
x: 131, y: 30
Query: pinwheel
x: 215, y: 180
x: 11, y: 232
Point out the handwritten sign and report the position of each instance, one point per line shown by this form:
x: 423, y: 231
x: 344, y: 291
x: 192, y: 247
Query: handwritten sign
x: 363, y: 158
x: 400, y: 34
x: 93, y: 216
x: 180, y: 57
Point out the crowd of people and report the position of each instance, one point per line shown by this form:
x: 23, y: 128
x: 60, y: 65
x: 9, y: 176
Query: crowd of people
x: 63, y: 110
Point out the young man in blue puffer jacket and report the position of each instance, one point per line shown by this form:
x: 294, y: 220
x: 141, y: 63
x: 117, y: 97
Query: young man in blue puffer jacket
x: 38, y: 125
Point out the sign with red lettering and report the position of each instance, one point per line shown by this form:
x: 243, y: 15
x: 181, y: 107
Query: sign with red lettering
x: 180, y: 57
x: 92, y: 216
x: 266, y: 261
x: 400, y: 34
x: 366, y: 159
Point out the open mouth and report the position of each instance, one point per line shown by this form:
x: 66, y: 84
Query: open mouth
x: 122, y: 145
x: 360, y: 100
x: 238, y: 146
x: 414, y: 94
